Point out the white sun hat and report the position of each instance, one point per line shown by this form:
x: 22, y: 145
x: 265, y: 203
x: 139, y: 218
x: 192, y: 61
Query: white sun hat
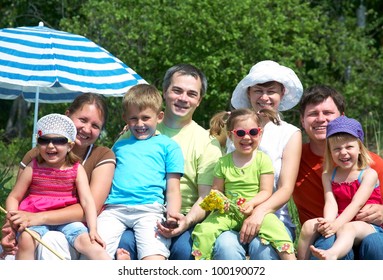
x: 267, y: 71
x: 56, y: 124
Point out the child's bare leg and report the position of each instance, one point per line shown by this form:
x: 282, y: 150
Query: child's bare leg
x: 307, y: 237
x: 348, y: 235
x: 93, y: 251
x: 27, y: 246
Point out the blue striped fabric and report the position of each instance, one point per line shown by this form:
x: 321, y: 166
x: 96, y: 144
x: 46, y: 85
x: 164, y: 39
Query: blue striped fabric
x: 62, y: 65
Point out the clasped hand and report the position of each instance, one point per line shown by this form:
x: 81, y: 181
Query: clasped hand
x: 20, y: 219
x: 16, y: 221
x: 174, y: 226
x: 326, y: 228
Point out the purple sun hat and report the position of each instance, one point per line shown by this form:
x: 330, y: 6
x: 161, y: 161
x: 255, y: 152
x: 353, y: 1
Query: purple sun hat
x: 343, y: 124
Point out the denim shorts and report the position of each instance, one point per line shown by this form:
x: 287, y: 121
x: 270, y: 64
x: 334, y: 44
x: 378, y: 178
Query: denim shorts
x: 71, y: 230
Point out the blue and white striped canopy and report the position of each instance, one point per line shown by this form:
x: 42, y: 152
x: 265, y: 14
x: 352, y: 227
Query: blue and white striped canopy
x: 57, y: 66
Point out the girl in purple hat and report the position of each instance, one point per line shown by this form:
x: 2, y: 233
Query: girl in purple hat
x: 349, y: 183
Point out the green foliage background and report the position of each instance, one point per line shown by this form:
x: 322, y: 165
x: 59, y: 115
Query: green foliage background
x: 321, y: 40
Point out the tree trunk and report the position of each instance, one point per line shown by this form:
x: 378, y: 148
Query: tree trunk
x: 17, y: 118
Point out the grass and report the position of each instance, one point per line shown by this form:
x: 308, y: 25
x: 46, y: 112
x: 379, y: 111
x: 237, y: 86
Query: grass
x: 7, y: 180
x: 373, y: 128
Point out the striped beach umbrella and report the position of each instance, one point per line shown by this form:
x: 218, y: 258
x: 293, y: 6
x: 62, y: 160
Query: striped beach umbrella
x: 44, y: 65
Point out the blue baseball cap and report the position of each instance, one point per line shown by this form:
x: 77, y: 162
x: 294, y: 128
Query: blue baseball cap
x: 343, y: 124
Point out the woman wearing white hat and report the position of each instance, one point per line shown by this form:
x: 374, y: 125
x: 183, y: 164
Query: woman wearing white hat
x: 273, y: 86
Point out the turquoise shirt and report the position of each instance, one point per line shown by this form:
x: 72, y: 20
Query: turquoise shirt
x: 142, y: 165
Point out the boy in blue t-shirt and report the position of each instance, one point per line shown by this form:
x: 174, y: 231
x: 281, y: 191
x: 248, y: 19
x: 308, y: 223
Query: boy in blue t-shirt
x: 146, y: 182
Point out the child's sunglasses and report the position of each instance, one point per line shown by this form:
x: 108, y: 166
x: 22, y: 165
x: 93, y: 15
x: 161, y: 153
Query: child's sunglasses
x: 242, y: 132
x: 53, y: 140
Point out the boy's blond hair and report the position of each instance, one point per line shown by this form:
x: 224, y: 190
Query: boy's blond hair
x: 142, y: 96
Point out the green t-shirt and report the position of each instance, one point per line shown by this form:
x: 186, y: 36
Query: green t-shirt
x: 243, y: 181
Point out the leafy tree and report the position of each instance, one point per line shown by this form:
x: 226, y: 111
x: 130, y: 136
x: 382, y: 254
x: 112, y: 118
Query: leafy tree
x: 323, y: 41
x: 224, y: 38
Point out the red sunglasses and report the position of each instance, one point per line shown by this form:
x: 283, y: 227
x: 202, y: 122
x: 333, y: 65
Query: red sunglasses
x: 242, y: 132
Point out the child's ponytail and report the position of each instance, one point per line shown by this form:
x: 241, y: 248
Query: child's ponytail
x: 267, y: 115
x: 218, y: 127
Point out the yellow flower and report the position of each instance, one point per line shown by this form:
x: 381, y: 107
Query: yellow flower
x: 216, y: 200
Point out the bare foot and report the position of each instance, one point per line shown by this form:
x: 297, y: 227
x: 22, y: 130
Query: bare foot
x: 322, y: 254
x: 122, y: 254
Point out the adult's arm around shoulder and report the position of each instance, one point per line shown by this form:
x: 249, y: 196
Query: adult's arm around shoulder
x: 101, y: 174
x: 288, y: 174
x: 377, y: 165
x: 373, y: 213
x: 31, y: 154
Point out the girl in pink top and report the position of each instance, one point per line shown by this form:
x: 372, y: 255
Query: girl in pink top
x: 55, y: 180
x: 349, y: 183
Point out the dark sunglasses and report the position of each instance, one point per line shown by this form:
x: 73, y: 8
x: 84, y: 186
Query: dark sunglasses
x: 243, y: 132
x: 53, y: 140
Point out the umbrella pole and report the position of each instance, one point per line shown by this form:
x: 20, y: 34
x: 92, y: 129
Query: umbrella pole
x: 35, y: 237
x: 35, y: 117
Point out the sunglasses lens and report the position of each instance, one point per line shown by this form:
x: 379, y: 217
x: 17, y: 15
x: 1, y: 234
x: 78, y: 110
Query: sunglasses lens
x: 59, y: 141
x: 253, y: 132
x: 240, y: 133
x: 43, y: 141
x: 55, y: 141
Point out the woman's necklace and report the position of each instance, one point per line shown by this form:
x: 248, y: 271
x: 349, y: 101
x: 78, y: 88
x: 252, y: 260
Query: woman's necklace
x: 87, y: 154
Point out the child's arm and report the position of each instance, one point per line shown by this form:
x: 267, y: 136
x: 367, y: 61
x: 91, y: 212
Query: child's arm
x: 16, y: 196
x: 173, y: 197
x: 369, y: 180
x: 218, y: 184
x: 88, y: 204
x: 19, y: 190
x: 330, y: 210
x: 266, y: 189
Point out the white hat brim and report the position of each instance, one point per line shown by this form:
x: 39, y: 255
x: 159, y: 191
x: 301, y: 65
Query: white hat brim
x: 266, y: 71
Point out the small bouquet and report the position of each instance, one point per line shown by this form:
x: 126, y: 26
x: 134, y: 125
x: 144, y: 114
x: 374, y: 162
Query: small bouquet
x: 217, y: 201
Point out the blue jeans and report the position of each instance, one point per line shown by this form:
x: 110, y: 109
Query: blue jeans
x: 326, y: 243
x: 180, y: 248
x: 371, y: 248
x: 228, y: 247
